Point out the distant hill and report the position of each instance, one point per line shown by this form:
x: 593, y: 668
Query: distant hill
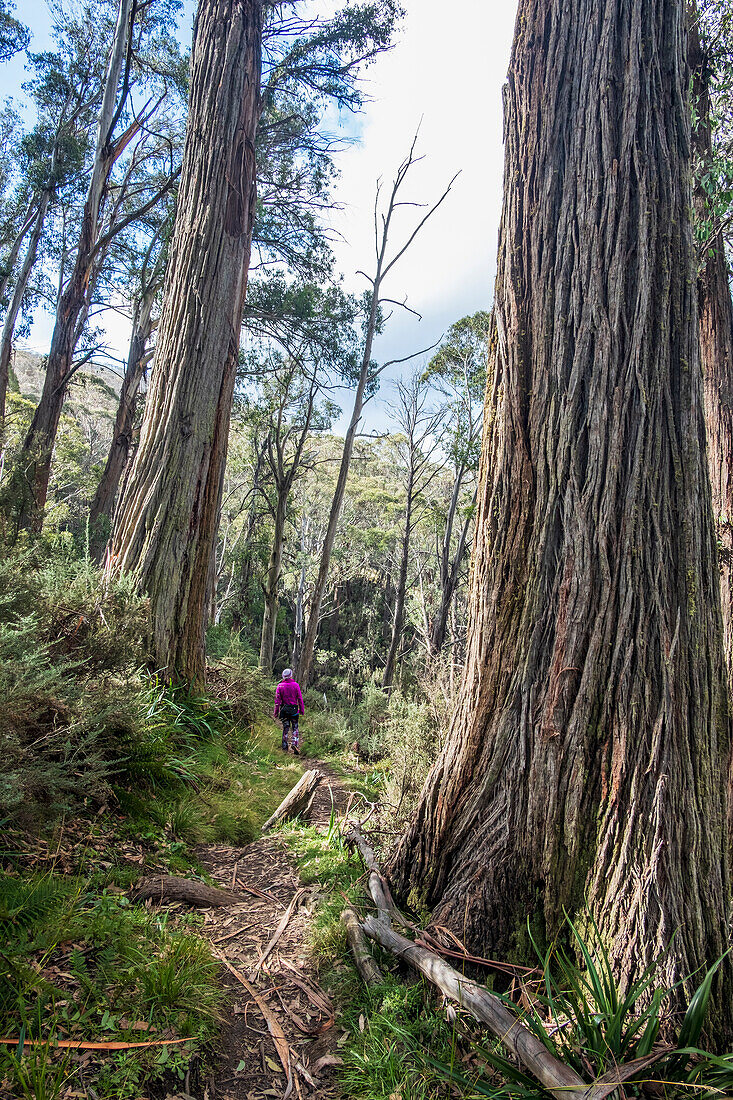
x: 26, y: 371
x: 91, y: 401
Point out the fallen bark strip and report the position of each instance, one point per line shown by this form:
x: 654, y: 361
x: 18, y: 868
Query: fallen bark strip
x: 284, y: 919
x: 489, y: 1010
x: 299, y: 799
x: 173, y: 888
x: 79, y: 1044
x: 273, y: 1024
x: 365, y: 964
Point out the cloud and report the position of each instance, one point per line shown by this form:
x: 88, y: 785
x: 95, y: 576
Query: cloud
x: 445, y: 75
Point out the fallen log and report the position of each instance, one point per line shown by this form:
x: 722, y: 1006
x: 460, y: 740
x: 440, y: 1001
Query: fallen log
x: 365, y: 964
x: 162, y: 888
x: 299, y: 799
x: 377, y: 884
x: 484, y: 1006
x: 489, y: 1010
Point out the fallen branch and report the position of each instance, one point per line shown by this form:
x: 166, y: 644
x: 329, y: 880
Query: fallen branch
x: 259, y: 893
x: 273, y: 1024
x: 284, y: 919
x: 489, y: 1010
x: 378, y: 887
x: 365, y: 964
x: 484, y: 1006
x: 299, y: 799
x: 172, y: 888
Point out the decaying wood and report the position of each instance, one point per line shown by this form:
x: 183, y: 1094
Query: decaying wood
x: 172, y: 888
x: 299, y: 799
x: 282, y: 925
x: 377, y: 884
x: 365, y: 964
x: 486, y: 1008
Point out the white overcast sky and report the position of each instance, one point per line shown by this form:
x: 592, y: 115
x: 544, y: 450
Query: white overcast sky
x: 445, y: 74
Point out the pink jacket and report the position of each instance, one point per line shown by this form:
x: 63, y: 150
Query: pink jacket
x: 288, y: 691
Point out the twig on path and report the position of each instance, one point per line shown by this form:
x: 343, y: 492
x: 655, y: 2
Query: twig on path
x: 284, y: 920
x: 234, y: 874
x: 259, y: 893
x: 231, y: 935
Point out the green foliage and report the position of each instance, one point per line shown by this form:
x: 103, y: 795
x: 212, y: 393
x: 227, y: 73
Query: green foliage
x: 14, y: 35
x: 68, y: 650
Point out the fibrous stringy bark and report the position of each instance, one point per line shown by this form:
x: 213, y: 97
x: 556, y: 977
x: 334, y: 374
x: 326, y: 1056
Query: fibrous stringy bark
x: 588, y: 753
x: 166, y: 522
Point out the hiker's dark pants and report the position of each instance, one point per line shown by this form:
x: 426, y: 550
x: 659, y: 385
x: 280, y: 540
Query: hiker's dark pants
x: 291, y: 724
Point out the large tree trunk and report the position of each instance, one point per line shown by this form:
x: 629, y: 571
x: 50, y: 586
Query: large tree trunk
x: 101, y: 508
x: 165, y: 524
x: 38, y: 445
x: 398, y: 619
x: 715, y: 309
x: 587, y: 758
x: 21, y: 285
x: 269, y: 618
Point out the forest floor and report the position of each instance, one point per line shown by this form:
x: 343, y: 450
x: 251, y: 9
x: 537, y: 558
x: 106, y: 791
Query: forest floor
x: 248, y: 1065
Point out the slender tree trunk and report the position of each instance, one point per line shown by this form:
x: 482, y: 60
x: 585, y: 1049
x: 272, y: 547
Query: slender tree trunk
x: 165, y: 524
x: 269, y: 618
x: 305, y: 665
x: 6, y: 272
x: 450, y: 569
x: 299, y: 602
x: 21, y: 285
x: 38, y: 445
x: 101, y: 509
x: 398, y: 620
x: 715, y: 309
x: 587, y: 758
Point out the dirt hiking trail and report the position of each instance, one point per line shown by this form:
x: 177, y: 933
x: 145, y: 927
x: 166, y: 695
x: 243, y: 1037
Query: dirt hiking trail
x: 303, y: 1031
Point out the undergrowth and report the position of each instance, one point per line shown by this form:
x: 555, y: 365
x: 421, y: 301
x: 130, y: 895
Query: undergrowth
x: 107, y: 774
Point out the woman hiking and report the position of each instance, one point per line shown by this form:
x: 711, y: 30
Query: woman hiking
x: 289, y: 707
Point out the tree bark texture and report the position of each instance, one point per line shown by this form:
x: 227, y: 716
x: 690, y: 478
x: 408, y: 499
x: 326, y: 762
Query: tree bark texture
x: 74, y: 302
x: 166, y: 520
x: 102, y: 506
x: 588, y: 754
x: 16, y: 301
x: 715, y: 311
